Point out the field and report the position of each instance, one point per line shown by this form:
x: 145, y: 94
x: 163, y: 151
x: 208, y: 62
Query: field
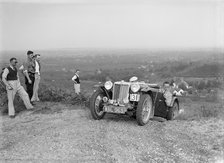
x: 62, y: 129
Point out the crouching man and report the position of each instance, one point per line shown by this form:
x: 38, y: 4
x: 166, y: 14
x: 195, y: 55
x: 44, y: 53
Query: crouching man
x: 10, y: 78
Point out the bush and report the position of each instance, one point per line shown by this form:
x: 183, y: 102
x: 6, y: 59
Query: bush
x: 46, y: 93
x: 51, y: 94
x: 201, y: 85
x: 3, y: 94
x: 54, y: 94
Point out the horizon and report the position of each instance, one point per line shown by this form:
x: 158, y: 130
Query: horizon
x: 212, y: 53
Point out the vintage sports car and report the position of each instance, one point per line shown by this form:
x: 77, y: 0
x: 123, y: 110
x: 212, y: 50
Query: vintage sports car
x: 138, y: 99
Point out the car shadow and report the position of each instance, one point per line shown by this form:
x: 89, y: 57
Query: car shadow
x: 118, y: 117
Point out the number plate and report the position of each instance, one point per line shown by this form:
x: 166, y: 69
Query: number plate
x: 113, y: 109
x: 134, y: 97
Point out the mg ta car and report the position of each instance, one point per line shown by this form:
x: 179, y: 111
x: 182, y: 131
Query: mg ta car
x: 141, y: 100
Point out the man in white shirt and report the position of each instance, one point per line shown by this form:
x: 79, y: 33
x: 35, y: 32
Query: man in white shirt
x: 10, y: 78
x: 76, y: 80
x: 37, y: 78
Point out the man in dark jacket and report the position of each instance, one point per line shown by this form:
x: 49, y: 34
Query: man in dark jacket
x: 29, y: 71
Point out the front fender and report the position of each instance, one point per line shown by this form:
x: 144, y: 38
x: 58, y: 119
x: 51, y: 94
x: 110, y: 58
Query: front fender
x: 146, y: 89
x: 102, y: 88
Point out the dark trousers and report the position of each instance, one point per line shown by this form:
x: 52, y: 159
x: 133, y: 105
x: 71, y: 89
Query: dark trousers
x: 29, y: 87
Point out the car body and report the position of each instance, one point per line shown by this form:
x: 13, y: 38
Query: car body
x: 138, y: 99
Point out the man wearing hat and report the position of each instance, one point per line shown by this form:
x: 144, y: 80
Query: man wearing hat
x: 10, y: 78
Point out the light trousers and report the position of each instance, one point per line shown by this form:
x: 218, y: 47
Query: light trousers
x: 15, y: 84
x: 77, y: 88
x: 35, y: 88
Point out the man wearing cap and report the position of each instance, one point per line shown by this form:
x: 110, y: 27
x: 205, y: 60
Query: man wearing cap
x: 29, y: 72
x: 10, y: 78
x: 37, y: 78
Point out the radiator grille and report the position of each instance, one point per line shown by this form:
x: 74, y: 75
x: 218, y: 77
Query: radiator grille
x: 121, y: 92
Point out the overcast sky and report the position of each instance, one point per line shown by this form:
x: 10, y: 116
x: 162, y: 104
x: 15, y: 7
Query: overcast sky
x: 50, y: 24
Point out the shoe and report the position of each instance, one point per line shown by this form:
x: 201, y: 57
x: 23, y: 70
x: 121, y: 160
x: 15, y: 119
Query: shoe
x: 30, y: 109
x: 12, y: 116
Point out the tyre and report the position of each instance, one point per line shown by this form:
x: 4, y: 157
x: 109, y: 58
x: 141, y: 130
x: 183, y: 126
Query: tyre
x: 173, y: 111
x: 144, y: 110
x: 96, y: 105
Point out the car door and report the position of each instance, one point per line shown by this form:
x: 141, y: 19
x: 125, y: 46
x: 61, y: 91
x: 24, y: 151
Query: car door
x: 160, y: 105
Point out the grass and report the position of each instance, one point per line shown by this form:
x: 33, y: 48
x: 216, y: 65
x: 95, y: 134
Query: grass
x: 195, y: 110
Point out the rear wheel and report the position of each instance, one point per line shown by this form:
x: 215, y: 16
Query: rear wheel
x: 173, y: 111
x: 144, y: 110
x: 96, y: 105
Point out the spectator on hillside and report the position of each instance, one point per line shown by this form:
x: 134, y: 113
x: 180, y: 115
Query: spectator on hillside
x: 29, y: 71
x: 76, y: 80
x: 37, y: 78
x: 10, y: 78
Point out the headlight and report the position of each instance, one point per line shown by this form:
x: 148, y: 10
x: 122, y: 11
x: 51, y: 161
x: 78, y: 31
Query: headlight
x: 108, y: 85
x: 135, y: 87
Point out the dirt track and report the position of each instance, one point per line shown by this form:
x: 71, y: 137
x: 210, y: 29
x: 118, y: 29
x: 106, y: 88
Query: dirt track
x: 71, y: 135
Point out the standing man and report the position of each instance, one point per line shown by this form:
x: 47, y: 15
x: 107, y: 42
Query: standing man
x: 10, y: 78
x: 76, y: 82
x: 29, y: 71
x: 37, y: 78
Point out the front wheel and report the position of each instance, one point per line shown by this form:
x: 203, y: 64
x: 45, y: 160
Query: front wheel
x: 173, y: 111
x: 96, y: 105
x: 144, y: 110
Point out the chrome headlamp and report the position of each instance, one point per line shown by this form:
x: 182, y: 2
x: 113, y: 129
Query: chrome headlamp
x: 108, y: 85
x: 135, y: 87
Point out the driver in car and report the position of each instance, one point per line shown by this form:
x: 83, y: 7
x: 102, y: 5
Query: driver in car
x: 168, y: 93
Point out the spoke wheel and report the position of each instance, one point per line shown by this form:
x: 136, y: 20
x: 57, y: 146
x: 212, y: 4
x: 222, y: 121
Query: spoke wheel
x: 144, y: 110
x: 96, y: 105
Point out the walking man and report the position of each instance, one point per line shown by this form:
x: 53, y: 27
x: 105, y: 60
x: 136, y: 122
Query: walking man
x: 37, y: 78
x: 10, y: 78
x: 29, y: 72
x: 76, y: 80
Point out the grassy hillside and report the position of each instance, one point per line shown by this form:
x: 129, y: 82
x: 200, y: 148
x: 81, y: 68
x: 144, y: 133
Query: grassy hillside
x: 58, y: 66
